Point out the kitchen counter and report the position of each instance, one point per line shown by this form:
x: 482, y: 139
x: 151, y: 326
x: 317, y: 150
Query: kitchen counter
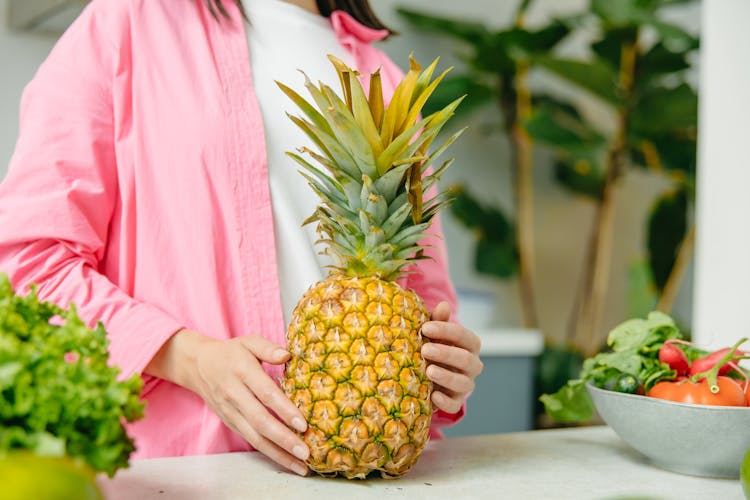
x: 580, y: 464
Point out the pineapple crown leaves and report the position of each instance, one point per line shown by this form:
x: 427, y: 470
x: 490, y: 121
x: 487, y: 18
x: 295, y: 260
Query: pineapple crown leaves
x: 370, y: 167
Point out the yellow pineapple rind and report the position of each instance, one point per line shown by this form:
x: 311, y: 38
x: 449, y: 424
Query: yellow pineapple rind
x: 357, y: 375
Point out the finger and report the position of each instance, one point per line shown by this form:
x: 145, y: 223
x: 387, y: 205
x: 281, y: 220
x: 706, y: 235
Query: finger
x: 453, y: 357
x: 453, y: 334
x: 447, y: 403
x: 272, y: 397
x: 238, y: 423
x: 270, y: 428
x: 442, y: 312
x: 265, y: 350
x: 456, y: 382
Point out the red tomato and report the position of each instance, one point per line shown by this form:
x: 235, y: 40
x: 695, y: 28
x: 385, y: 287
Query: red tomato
x: 685, y: 391
x: 746, y: 387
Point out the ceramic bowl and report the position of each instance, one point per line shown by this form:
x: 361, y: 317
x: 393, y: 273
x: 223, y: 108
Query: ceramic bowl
x: 691, y: 439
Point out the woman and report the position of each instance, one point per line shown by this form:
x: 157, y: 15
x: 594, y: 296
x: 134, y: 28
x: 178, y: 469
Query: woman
x: 148, y: 188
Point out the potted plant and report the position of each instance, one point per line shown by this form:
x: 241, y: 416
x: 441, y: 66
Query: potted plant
x: 636, y: 73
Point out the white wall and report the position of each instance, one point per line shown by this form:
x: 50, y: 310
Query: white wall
x: 722, y: 296
x: 20, y: 55
x: 562, y: 222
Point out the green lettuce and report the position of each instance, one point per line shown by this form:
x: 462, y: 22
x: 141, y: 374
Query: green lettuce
x: 631, y: 365
x: 58, y: 395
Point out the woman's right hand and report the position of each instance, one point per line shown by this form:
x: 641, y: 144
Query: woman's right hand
x: 228, y: 375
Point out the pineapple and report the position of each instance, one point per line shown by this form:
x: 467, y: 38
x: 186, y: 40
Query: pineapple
x: 356, y: 372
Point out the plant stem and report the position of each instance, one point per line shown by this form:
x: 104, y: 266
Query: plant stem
x: 515, y: 101
x: 595, y: 290
x: 672, y: 286
x: 712, y: 374
x: 524, y: 198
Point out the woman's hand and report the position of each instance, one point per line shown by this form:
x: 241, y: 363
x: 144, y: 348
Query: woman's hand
x: 452, y: 357
x: 229, y: 377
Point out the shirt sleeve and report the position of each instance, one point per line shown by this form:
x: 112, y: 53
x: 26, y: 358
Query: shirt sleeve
x: 60, y: 193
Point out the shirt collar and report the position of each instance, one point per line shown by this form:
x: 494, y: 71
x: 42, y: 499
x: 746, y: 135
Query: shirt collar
x: 349, y: 31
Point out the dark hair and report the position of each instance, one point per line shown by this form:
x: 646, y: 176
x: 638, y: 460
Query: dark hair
x: 358, y: 9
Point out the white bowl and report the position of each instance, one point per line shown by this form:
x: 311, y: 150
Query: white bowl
x: 691, y: 439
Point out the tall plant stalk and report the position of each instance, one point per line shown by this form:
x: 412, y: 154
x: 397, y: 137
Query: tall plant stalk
x: 589, y: 313
x: 522, y: 149
x: 524, y: 186
x: 684, y: 256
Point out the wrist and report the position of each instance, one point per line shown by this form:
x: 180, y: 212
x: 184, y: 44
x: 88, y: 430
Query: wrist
x: 177, y: 358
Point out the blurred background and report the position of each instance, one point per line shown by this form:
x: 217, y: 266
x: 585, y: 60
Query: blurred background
x: 575, y: 182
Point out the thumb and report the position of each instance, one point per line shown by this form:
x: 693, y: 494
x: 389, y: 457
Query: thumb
x: 265, y: 350
x: 442, y: 312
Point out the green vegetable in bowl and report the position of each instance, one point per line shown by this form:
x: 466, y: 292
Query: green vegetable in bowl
x: 58, y: 395
x: 631, y: 366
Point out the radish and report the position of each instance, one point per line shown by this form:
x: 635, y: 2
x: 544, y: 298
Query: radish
x: 674, y: 357
x: 707, y: 362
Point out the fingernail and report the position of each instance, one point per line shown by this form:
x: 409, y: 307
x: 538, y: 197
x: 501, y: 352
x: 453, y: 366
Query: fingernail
x: 301, y: 452
x: 299, y: 424
x: 428, y: 328
x: 280, y: 353
x: 429, y: 350
x: 299, y: 469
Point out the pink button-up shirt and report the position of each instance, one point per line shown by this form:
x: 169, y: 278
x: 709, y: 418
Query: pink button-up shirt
x: 138, y: 190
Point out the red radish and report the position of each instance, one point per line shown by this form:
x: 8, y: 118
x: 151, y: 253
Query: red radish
x: 674, y: 357
x: 707, y: 362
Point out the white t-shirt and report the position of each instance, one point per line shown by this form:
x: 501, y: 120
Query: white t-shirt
x: 283, y: 39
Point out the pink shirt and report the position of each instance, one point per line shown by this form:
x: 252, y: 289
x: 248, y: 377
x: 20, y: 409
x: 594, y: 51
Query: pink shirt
x: 138, y: 190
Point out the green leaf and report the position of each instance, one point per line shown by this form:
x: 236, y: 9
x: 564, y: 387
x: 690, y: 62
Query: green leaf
x: 667, y: 226
x: 495, y: 54
x: 665, y: 110
x: 676, y: 151
x: 634, y: 333
x: 520, y: 42
x: 580, y: 150
x: 571, y: 403
x: 568, y: 134
x: 581, y: 176
x: 490, y: 222
x: 49, y: 446
x: 596, y: 76
x: 672, y: 34
x: 625, y: 362
x: 657, y: 62
x: 653, y: 372
x: 556, y: 106
x: 622, y: 12
x: 555, y: 366
x: 496, y: 258
x: 609, y: 46
x: 496, y: 253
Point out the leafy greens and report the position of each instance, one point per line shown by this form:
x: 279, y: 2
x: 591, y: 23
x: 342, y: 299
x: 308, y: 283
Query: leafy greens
x: 58, y: 396
x: 634, y: 353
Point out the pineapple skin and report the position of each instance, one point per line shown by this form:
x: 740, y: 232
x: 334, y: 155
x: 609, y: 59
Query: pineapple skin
x: 358, y: 377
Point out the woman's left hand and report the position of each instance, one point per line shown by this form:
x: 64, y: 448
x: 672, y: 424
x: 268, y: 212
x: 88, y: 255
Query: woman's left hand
x: 452, y: 357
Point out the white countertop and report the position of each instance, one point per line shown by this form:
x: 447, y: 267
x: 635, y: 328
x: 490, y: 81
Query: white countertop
x: 589, y: 463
